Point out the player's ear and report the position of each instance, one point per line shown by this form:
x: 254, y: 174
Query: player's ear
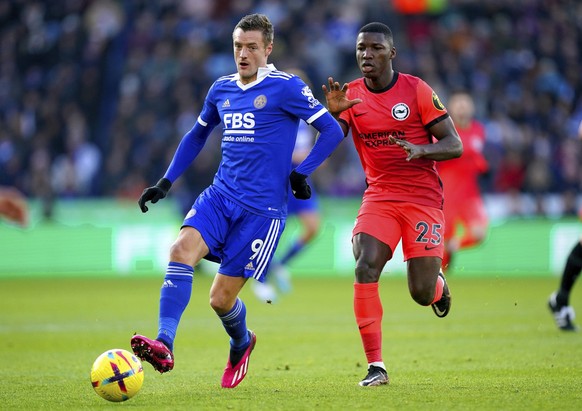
x: 392, y: 53
x: 268, y: 50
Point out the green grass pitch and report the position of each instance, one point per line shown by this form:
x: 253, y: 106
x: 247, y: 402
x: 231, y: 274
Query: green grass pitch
x: 497, y: 350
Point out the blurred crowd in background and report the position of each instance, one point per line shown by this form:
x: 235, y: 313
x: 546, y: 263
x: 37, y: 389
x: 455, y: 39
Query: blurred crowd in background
x: 96, y: 94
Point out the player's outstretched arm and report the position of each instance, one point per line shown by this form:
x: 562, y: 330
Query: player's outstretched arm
x: 187, y: 150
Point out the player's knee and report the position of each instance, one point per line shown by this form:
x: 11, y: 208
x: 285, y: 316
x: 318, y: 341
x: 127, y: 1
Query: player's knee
x: 309, y: 235
x: 310, y: 230
x: 366, y: 273
x: 219, y: 303
x: 179, y: 252
x: 422, y: 292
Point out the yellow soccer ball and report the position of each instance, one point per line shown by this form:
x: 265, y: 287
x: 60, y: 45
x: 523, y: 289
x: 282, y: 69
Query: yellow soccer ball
x: 117, y: 375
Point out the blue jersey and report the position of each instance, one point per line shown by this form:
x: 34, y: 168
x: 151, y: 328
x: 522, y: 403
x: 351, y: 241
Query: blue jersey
x: 260, y: 122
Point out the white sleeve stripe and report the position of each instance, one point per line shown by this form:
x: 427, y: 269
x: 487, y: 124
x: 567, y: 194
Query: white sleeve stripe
x: 316, y: 116
x: 279, y: 75
x: 202, y: 122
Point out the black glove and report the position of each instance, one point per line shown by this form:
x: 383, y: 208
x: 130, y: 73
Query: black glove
x: 154, y: 194
x: 299, y: 186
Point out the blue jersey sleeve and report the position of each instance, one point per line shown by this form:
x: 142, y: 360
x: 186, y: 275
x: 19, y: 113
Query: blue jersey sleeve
x: 194, y: 140
x: 316, y: 114
x: 330, y: 136
x: 300, y: 101
x: 187, y: 150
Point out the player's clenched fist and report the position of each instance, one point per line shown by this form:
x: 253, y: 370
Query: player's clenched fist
x: 154, y: 193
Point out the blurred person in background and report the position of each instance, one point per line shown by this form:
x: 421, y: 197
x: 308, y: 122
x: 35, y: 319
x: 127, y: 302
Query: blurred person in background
x: 559, y: 301
x: 13, y: 206
x: 393, y: 118
x: 306, y: 211
x: 463, y: 207
x: 238, y: 220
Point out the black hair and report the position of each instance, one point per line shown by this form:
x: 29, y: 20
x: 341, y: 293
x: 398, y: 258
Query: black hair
x: 376, y: 27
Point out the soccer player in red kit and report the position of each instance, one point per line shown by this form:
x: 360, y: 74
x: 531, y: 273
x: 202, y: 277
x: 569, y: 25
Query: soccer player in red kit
x: 463, y: 205
x: 400, y: 128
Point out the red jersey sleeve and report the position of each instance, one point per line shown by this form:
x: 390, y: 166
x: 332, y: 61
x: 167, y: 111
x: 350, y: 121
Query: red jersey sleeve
x: 429, y: 105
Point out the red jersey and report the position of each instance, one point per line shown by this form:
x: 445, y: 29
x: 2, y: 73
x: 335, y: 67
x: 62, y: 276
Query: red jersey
x: 461, y: 174
x: 406, y: 109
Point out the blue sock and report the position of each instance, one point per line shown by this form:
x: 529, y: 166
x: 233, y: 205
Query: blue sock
x: 174, y: 298
x: 235, y: 324
x: 295, y: 248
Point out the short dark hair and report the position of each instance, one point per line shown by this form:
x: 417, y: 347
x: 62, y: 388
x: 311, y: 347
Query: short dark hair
x: 257, y: 22
x: 376, y: 27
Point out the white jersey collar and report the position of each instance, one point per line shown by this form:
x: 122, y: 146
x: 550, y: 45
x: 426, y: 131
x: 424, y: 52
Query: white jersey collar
x: 262, y: 73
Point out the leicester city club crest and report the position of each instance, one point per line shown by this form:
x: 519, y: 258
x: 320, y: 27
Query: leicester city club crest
x: 260, y: 101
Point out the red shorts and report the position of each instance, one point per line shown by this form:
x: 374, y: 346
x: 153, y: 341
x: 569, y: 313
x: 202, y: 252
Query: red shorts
x: 469, y: 212
x: 421, y: 228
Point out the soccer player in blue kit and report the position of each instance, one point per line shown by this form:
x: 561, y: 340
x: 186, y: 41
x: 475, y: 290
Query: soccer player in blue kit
x: 239, y: 218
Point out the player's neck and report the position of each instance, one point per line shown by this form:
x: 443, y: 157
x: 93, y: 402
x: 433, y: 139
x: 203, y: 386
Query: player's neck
x: 381, y: 82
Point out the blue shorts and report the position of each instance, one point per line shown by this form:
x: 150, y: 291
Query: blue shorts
x: 242, y: 242
x: 295, y: 206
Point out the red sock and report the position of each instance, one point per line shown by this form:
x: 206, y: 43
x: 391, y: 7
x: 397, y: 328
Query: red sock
x: 368, y: 311
x: 438, y: 292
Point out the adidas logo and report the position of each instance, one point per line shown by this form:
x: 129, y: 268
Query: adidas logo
x: 250, y: 266
x: 226, y: 103
x: 169, y: 284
